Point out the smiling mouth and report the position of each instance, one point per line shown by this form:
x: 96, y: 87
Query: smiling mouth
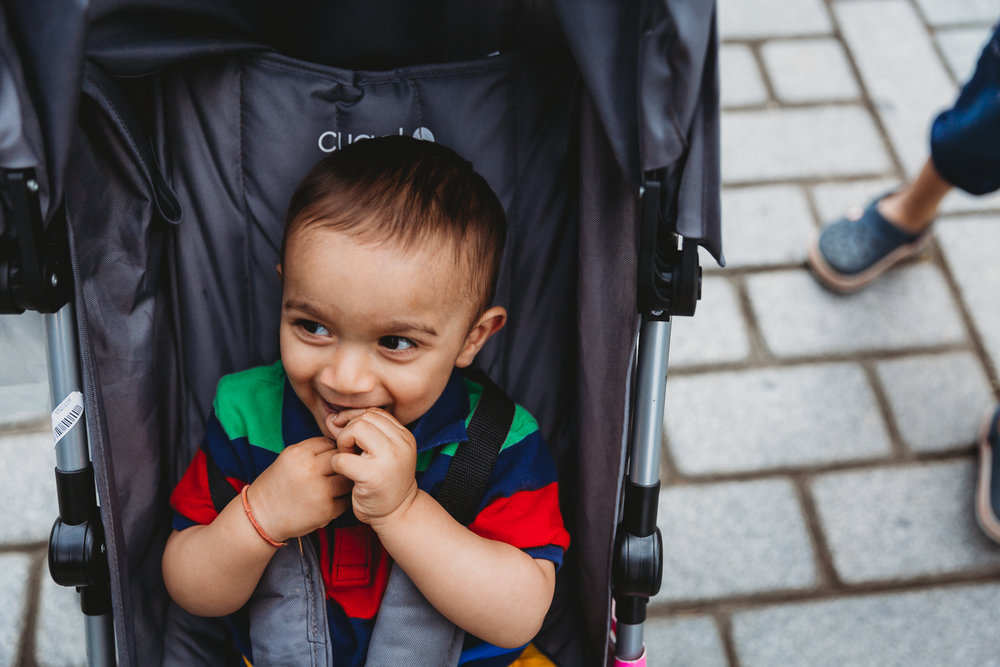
x: 333, y: 408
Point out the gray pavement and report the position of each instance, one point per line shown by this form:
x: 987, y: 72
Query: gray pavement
x: 819, y: 458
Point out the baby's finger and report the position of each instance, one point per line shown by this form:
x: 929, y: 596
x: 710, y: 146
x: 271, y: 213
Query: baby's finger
x: 382, y: 416
x: 373, y: 436
x: 318, y: 445
x: 350, y: 466
x: 342, y: 418
x: 340, y: 485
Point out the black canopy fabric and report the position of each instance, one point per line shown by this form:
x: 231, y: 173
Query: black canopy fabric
x: 175, y: 130
x: 649, y: 65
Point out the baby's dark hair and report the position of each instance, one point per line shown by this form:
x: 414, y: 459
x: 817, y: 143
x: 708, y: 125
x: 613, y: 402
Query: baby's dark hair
x: 406, y: 191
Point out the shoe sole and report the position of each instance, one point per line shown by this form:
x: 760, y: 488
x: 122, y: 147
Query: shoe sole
x: 845, y: 284
x: 987, y: 520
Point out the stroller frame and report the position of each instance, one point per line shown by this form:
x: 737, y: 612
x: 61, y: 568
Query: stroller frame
x: 35, y: 274
x: 76, y: 552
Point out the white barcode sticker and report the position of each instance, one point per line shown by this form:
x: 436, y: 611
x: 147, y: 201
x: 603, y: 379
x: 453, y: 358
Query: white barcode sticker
x: 66, y: 415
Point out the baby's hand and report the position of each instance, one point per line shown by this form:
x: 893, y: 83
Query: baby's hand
x: 380, y: 455
x: 299, y: 493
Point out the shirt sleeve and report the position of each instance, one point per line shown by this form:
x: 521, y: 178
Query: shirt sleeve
x: 191, y: 499
x: 521, y: 505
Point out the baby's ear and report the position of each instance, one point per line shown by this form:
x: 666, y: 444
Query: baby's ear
x: 278, y: 267
x: 488, y: 324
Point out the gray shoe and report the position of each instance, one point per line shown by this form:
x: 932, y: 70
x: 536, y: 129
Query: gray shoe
x: 988, y: 481
x: 859, y: 247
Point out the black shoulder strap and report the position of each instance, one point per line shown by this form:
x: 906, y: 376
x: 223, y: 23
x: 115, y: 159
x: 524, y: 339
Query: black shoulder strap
x: 221, y: 490
x: 465, y: 482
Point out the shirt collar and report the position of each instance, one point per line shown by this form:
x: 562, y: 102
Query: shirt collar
x: 444, y: 422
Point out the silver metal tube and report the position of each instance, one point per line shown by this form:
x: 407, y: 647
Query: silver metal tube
x: 72, y: 447
x: 72, y: 450
x: 647, y: 426
x: 101, y: 641
x: 628, y: 641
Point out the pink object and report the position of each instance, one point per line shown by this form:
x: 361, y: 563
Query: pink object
x: 638, y: 662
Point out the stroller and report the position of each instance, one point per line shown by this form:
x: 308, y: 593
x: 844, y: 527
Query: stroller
x: 148, y: 149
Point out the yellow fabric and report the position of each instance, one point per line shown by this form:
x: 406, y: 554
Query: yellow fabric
x: 532, y: 657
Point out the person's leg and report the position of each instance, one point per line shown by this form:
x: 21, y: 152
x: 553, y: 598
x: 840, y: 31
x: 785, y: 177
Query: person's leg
x: 913, y: 207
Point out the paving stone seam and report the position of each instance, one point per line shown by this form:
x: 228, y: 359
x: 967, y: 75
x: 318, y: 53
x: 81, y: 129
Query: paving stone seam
x: 906, y: 459
x: 724, y: 626
x: 867, y: 99
x: 974, y: 335
x: 757, y: 600
x: 26, y: 645
x: 826, y: 571
x: 860, y: 357
x: 759, y: 351
x: 899, y: 449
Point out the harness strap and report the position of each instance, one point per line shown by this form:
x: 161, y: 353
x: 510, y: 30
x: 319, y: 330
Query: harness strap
x: 468, y: 475
x: 219, y: 488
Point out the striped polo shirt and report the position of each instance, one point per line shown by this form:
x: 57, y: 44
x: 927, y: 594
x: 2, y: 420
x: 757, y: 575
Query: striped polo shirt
x: 256, y: 414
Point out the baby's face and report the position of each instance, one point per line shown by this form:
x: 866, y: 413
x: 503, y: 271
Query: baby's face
x: 366, y: 325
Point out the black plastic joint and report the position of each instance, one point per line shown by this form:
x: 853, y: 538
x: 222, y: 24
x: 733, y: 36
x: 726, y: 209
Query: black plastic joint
x: 95, y: 600
x: 77, y: 552
x: 76, y: 494
x: 34, y: 258
x: 638, y: 558
x: 638, y: 564
x: 641, y: 503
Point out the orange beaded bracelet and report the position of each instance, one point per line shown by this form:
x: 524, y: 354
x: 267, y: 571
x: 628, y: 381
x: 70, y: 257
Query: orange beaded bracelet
x: 260, y: 531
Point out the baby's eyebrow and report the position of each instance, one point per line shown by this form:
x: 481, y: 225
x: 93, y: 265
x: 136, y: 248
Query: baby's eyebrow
x: 305, y: 306
x: 408, y: 326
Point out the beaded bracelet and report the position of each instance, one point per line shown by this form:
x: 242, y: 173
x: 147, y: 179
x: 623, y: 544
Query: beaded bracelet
x: 260, y: 531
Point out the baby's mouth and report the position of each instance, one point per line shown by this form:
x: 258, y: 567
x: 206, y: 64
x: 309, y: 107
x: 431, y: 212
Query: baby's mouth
x: 333, y: 408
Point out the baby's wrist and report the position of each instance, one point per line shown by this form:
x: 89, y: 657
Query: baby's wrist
x: 387, y: 522
x: 254, y: 512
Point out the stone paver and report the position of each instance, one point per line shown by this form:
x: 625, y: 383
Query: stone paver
x: 950, y: 12
x: 809, y: 71
x: 14, y: 571
x: 741, y: 19
x: 909, y: 307
x: 800, y: 143
x: 960, y: 48
x: 25, y: 406
x: 969, y: 246
x: 937, y: 401
x: 29, y: 492
x: 678, y: 642
x: 60, y: 638
x: 765, y: 225
x: 742, y: 84
x: 22, y: 358
x: 906, y: 80
x: 958, y: 201
x: 733, y: 538
x: 769, y: 418
x: 832, y: 200
x: 902, y: 523
x: 716, y: 334
x: 931, y: 628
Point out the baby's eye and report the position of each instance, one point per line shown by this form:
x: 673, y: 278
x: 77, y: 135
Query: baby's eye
x: 396, y: 343
x: 314, y: 328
